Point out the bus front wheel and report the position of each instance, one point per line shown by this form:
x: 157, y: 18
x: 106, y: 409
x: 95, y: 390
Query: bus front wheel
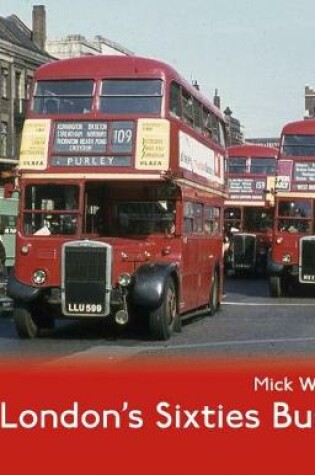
x: 25, y: 324
x: 275, y: 286
x: 164, y: 320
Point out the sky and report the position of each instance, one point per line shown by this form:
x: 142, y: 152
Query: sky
x: 258, y: 55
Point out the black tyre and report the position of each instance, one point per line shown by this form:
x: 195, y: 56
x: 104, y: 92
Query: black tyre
x: 25, y: 324
x: 42, y: 315
x: 275, y: 286
x: 214, y: 300
x: 164, y: 320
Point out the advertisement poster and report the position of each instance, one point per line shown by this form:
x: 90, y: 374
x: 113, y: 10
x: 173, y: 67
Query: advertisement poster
x: 152, y: 148
x: 34, y: 146
x: 168, y: 360
x: 196, y: 158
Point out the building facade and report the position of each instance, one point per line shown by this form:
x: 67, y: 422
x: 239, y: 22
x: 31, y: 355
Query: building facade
x: 21, y: 52
x: 235, y: 134
x: 234, y: 127
x: 265, y: 141
x: 77, y: 45
x: 309, y: 102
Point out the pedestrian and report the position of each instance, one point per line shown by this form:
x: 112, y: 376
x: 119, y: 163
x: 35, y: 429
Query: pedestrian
x: 3, y: 271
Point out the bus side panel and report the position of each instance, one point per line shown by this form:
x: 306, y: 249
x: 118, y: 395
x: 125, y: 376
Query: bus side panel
x: 209, y: 250
x: 190, y: 257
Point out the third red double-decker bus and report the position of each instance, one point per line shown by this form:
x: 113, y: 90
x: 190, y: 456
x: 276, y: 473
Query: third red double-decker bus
x: 292, y: 259
x: 248, y: 214
x: 121, y: 181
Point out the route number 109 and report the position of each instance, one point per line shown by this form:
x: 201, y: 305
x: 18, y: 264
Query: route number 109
x: 122, y: 136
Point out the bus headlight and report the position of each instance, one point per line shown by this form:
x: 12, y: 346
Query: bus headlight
x: 286, y: 258
x: 39, y: 277
x: 124, y: 279
x: 25, y: 249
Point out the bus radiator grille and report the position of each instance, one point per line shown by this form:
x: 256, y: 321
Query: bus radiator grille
x: 85, y: 264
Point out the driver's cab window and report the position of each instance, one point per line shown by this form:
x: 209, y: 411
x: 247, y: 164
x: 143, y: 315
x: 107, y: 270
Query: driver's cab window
x: 96, y: 218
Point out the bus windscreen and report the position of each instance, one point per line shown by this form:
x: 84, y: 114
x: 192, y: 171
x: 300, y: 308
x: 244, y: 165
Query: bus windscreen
x: 299, y: 145
x: 63, y: 97
x: 120, y: 96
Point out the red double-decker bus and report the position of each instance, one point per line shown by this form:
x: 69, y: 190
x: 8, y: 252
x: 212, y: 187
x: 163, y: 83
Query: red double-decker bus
x: 292, y: 259
x: 121, y: 181
x: 248, y: 214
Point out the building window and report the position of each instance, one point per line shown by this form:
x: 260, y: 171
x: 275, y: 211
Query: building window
x: 18, y: 77
x: 3, y: 139
x: 4, y: 82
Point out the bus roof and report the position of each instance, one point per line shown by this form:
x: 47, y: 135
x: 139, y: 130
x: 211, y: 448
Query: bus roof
x: 304, y: 127
x: 250, y: 150
x: 117, y: 66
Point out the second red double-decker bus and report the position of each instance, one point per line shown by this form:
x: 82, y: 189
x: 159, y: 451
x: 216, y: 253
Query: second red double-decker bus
x: 292, y: 259
x: 248, y: 214
x: 121, y: 179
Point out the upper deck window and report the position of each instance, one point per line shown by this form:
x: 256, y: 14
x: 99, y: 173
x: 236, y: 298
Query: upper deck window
x: 188, y: 111
x: 237, y: 165
x: 263, y: 166
x: 176, y: 100
x: 197, y: 115
x: 63, y: 97
x: 299, y: 145
x: 131, y: 96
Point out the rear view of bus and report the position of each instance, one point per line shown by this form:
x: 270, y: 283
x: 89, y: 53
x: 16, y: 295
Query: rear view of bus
x: 249, y: 209
x: 121, y: 180
x: 293, y: 247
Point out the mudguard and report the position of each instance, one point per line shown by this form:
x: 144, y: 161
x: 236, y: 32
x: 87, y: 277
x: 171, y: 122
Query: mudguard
x: 18, y: 291
x: 149, y: 283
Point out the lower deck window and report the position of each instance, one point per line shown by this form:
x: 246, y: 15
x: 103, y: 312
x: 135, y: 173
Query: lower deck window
x: 51, y: 209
